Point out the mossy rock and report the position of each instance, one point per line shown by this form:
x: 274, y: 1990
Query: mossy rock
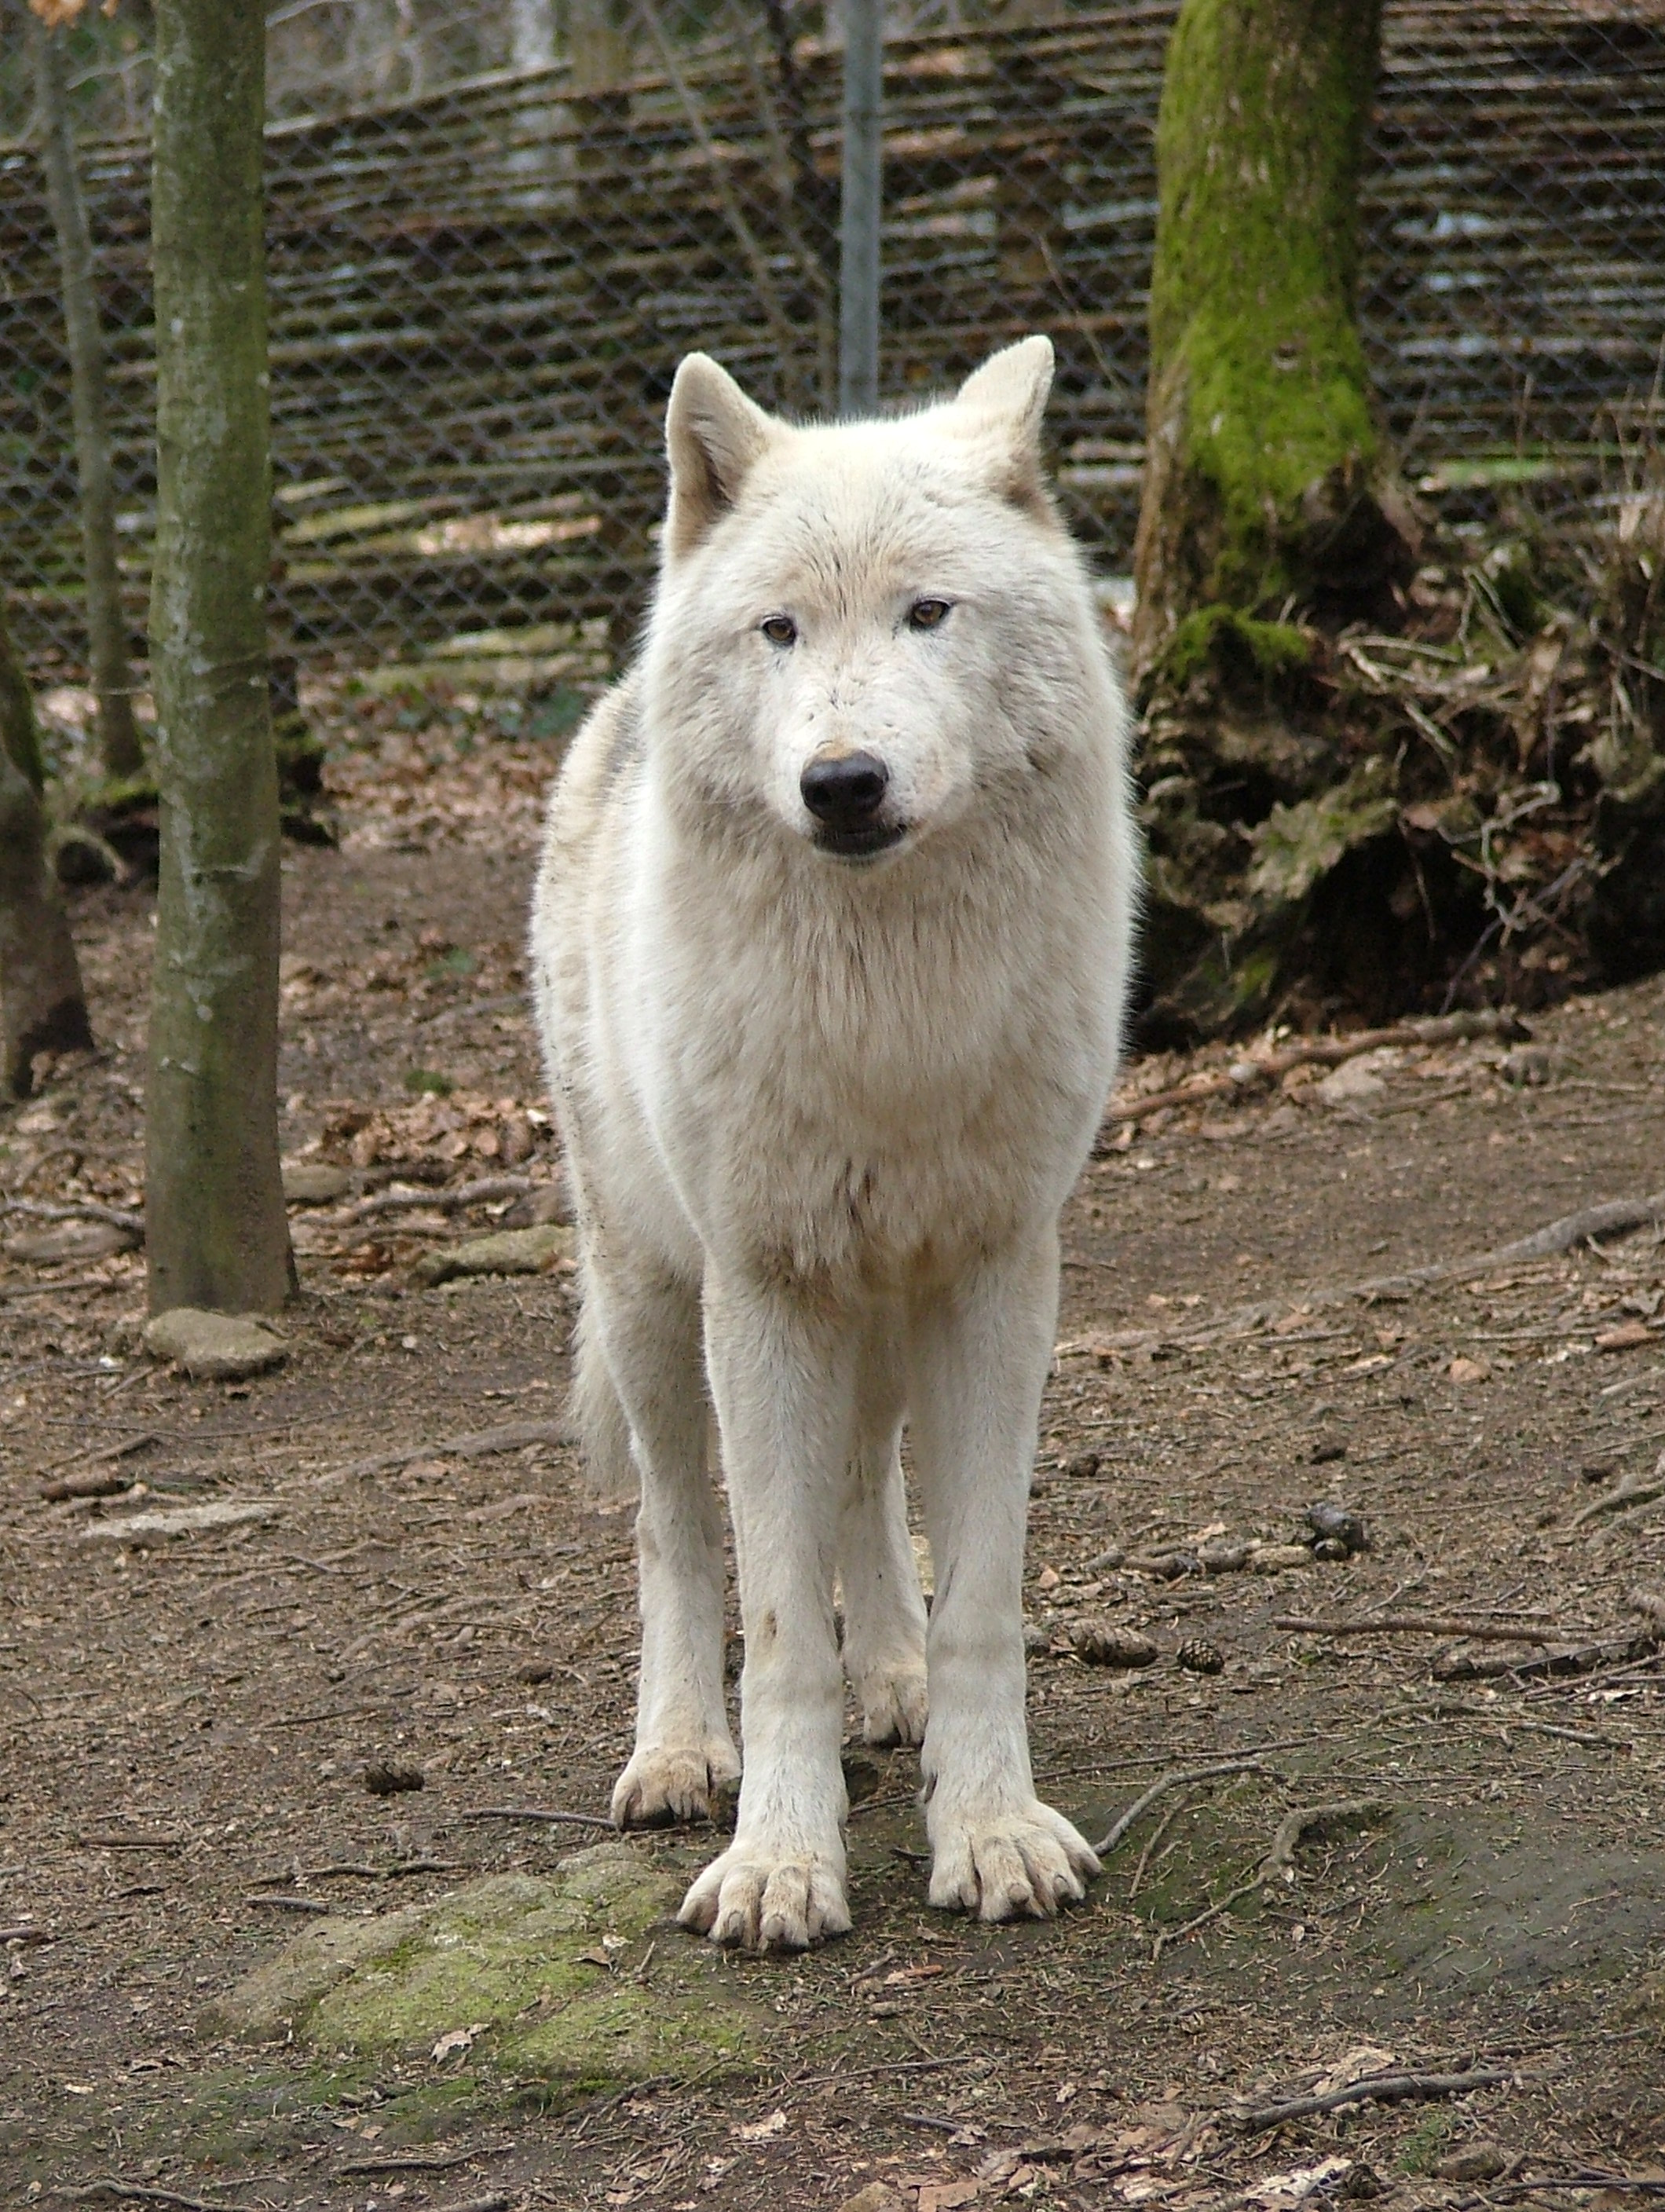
x: 539, y: 1979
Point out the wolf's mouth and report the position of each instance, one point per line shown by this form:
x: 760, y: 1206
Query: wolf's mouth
x: 859, y: 844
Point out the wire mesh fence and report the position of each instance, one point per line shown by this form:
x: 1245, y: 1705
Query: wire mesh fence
x: 479, y: 294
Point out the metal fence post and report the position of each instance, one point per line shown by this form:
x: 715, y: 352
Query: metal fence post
x: 861, y: 207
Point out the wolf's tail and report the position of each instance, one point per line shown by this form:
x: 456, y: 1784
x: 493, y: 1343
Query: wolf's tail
x: 598, y: 1417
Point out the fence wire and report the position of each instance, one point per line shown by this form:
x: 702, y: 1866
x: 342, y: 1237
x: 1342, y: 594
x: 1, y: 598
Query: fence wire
x: 479, y: 295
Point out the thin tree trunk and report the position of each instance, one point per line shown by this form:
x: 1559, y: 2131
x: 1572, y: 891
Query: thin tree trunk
x: 42, y: 1006
x: 106, y: 625
x: 1268, y: 478
x: 218, y: 1235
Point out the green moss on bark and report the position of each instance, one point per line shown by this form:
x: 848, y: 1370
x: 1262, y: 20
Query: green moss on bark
x: 218, y: 1236
x: 1267, y: 475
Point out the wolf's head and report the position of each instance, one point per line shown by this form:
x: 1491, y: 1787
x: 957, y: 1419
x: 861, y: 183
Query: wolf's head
x: 866, y: 631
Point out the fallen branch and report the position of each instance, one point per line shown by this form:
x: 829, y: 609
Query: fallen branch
x: 1325, y: 1051
x: 537, y: 1813
x: 1635, y: 1490
x: 46, y: 1290
x: 393, y: 2161
x: 1614, y: 1217
x: 480, y: 1444
x: 1375, y: 2089
x: 139, y: 2192
x: 75, y: 1209
x: 136, y: 1442
x: 1424, y: 1624
x: 479, y: 1193
x: 1177, y: 1778
x: 1635, y: 2184
x: 1354, y: 1812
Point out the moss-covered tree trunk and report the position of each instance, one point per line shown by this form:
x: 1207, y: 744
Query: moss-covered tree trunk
x: 1267, y: 477
x: 106, y: 625
x: 217, y: 1234
x: 42, y: 1006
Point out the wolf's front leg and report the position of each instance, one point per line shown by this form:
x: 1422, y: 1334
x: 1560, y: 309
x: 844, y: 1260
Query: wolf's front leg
x: 980, y: 1354
x: 884, y: 1611
x: 646, y: 1327
x: 783, y: 1382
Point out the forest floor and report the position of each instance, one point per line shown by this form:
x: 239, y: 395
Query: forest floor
x: 194, y: 1727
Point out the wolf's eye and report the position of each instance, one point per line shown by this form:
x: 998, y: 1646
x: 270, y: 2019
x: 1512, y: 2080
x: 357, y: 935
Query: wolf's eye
x: 927, y: 614
x: 778, y: 630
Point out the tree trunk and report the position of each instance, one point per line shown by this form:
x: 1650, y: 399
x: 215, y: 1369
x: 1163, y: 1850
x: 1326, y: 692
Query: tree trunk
x: 217, y: 1234
x: 106, y: 625
x: 42, y: 1006
x: 1267, y: 479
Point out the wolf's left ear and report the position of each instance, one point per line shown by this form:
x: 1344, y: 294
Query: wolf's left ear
x: 1004, y: 400
x: 713, y: 434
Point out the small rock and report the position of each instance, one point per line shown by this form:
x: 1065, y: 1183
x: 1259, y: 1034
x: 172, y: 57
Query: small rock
x: 382, y: 1779
x: 71, y: 1240
x: 1084, y: 1464
x: 1464, y: 1369
x: 1361, y: 1077
x: 1273, y: 1559
x: 1198, y: 1656
x: 1112, y: 1556
x: 1474, y: 2161
x: 877, y: 2196
x: 1226, y: 1559
x: 510, y: 1252
x: 214, y: 1347
x: 183, y: 1521
x: 313, y: 1183
x: 1531, y: 1063
x: 1102, y: 1644
x: 1337, y: 1524
x: 1037, y: 1642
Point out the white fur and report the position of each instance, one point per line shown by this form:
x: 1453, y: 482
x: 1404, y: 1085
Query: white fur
x: 821, y: 1114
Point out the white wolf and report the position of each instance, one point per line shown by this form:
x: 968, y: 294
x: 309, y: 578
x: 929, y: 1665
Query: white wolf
x: 831, y: 938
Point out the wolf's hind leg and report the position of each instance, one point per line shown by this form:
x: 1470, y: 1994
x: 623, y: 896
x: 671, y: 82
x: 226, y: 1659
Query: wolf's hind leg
x: 884, y: 1611
x: 648, y: 1326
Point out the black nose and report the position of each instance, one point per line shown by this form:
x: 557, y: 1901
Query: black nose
x: 845, y: 792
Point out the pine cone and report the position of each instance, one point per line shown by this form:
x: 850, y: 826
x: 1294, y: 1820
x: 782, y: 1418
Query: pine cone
x: 1198, y: 1656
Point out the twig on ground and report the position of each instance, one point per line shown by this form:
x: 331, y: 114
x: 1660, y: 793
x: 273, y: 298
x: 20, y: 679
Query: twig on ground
x: 1243, y: 1074
x: 394, y: 2162
x: 139, y: 2192
x: 1635, y: 2185
x: 1353, y: 1812
x: 1614, y: 1217
x: 1180, y: 1777
x: 138, y: 1442
x: 46, y: 1290
x: 1635, y: 1490
x: 537, y: 1813
x: 1153, y: 1839
x: 1375, y: 2089
x: 1427, y: 1624
x: 79, y: 1209
x: 481, y: 1444
x: 479, y: 1193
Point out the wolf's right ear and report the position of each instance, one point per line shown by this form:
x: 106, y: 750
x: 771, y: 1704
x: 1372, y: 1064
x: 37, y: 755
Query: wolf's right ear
x: 713, y: 434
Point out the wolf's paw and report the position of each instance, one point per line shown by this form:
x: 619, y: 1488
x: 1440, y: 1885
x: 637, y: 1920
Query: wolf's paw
x: 664, y: 1783
x: 748, y: 1897
x: 894, y: 1705
x: 1029, y: 1861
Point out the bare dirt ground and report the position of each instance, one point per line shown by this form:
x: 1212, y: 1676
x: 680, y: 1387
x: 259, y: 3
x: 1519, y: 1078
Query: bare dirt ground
x: 191, y: 1723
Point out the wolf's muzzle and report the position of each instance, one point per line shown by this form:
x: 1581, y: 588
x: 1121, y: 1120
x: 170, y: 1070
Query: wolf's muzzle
x: 845, y: 793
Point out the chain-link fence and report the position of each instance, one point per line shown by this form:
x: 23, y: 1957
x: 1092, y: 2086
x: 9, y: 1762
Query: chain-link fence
x: 479, y: 296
